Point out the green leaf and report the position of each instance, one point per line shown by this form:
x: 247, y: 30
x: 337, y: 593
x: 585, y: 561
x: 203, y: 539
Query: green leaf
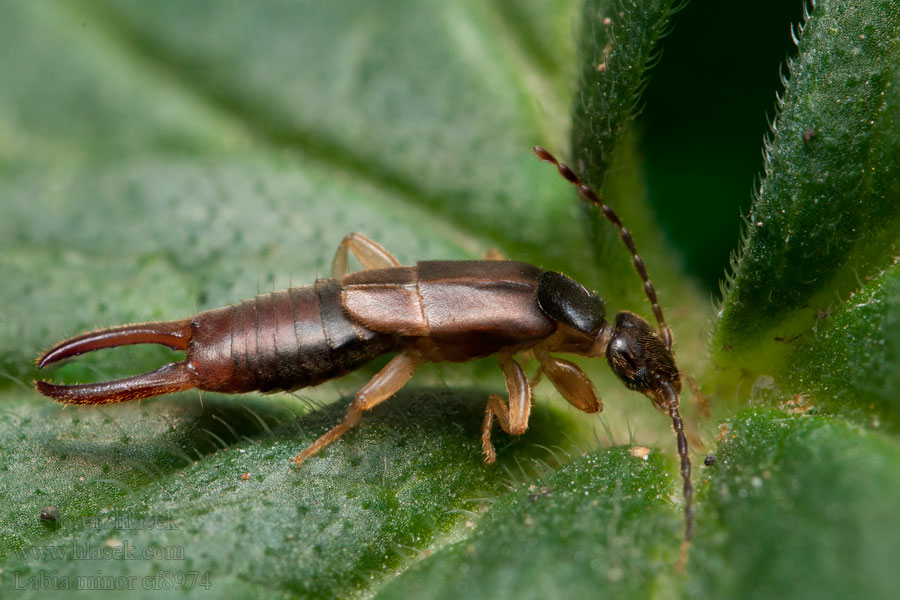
x: 798, y: 507
x: 827, y: 211
x: 140, y: 480
x: 402, y: 100
x: 157, y: 162
x: 849, y: 365
x: 601, y: 522
x: 74, y: 93
x: 618, y: 47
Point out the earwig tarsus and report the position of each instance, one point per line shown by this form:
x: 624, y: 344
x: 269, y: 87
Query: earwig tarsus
x: 431, y: 312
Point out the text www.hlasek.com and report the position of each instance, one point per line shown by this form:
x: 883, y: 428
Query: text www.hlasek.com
x: 111, y: 551
x: 98, y: 580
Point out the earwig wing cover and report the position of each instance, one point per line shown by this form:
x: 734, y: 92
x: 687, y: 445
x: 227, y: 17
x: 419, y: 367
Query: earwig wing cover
x: 385, y: 300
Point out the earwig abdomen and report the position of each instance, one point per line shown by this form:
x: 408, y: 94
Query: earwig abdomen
x: 285, y: 340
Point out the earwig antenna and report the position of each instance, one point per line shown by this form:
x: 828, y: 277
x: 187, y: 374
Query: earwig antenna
x: 591, y: 196
x: 664, y: 395
x: 671, y: 397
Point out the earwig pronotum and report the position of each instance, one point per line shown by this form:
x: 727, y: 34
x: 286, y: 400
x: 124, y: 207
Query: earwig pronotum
x: 431, y: 312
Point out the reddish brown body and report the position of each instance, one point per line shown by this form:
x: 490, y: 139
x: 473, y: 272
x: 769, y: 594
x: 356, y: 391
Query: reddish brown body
x: 451, y: 310
x: 301, y: 337
x: 285, y: 340
x: 431, y: 312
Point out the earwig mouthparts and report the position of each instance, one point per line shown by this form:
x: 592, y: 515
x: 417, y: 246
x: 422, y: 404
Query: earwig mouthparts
x: 171, y: 378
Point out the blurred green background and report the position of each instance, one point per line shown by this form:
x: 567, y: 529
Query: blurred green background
x: 706, y: 110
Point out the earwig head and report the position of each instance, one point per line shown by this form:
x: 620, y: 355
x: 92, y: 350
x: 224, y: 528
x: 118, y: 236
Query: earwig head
x: 644, y: 363
x: 638, y: 356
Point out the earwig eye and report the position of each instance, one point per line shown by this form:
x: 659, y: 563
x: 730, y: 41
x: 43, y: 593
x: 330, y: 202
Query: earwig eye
x: 638, y: 356
x: 567, y: 301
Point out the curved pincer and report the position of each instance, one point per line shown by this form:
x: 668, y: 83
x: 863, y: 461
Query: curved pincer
x: 173, y: 377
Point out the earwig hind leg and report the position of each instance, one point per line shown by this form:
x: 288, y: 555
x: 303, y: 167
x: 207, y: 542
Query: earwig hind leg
x: 571, y: 382
x: 382, y: 386
x: 493, y: 254
x: 514, y: 418
x: 368, y: 252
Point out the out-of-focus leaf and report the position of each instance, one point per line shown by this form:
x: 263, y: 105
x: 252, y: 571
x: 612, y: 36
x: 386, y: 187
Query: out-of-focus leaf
x: 849, y: 365
x: 827, y: 210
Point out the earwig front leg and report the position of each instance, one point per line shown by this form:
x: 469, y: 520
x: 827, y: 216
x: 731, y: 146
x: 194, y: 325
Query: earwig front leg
x: 574, y: 385
x: 385, y: 384
x: 368, y: 252
x: 513, y: 419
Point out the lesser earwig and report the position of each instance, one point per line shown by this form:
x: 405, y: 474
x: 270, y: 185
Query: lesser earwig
x: 431, y: 312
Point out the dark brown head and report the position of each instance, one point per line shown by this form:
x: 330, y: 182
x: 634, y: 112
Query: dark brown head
x: 639, y: 357
x: 644, y: 363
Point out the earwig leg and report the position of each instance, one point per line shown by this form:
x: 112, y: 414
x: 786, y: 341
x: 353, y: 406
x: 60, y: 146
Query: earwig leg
x: 574, y: 385
x: 493, y: 254
x: 385, y: 384
x: 513, y: 419
x: 536, y: 378
x: 369, y: 253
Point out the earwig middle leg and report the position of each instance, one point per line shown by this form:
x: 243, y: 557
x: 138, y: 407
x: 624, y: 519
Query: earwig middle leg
x: 514, y: 418
x: 572, y: 383
x: 385, y: 384
x: 368, y: 252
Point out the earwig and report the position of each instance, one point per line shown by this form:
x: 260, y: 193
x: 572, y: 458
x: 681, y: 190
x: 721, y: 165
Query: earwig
x: 434, y: 311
